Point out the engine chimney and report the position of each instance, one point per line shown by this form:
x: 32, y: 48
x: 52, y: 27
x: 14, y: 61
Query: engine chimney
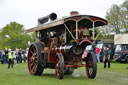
x: 74, y: 13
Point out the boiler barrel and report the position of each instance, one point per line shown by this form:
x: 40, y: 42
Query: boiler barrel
x: 73, y: 50
x: 69, y: 50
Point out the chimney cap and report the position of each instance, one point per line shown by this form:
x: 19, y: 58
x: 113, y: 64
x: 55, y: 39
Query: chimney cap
x: 74, y: 12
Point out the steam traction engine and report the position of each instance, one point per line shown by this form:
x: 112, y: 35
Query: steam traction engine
x: 61, y: 44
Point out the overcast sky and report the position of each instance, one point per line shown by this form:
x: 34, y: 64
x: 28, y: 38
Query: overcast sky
x: 27, y: 12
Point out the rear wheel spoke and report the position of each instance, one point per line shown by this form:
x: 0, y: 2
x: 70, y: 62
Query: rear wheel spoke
x: 31, y: 52
x: 34, y: 68
x: 32, y: 64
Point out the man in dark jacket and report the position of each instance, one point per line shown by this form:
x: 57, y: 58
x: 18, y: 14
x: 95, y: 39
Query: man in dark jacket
x: 6, y: 54
x: 106, y: 59
x: 20, y: 55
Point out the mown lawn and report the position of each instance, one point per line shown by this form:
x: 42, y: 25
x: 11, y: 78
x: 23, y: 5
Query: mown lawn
x: 116, y: 75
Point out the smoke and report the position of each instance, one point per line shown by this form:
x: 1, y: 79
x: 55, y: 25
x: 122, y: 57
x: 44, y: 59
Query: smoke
x: 76, y: 73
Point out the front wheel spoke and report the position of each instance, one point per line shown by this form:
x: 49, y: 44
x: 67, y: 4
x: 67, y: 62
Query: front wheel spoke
x: 90, y: 71
x: 57, y: 71
x: 57, y: 65
x: 90, y: 65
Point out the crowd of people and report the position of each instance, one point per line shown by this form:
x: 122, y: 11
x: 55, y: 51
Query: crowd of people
x: 8, y: 56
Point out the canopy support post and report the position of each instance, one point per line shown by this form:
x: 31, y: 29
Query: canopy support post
x: 93, y: 30
x: 76, y: 30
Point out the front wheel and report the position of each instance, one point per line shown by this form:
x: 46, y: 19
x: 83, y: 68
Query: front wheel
x: 91, y: 65
x: 59, y: 68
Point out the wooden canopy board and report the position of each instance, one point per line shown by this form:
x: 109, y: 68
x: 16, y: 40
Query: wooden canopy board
x: 88, y: 20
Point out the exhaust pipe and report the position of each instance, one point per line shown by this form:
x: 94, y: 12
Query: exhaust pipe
x: 52, y: 17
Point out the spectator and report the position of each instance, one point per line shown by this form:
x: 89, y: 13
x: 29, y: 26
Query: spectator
x: 106, y: 59
x: 4, y: 58
x: 17, y: 56
x: 13, y: 56
x: 20, y: 55
x: 6, y: 55
x: 1, y: 57
x: 0, y: 54
x: 98, y: 54
x: 10, y: 57
x: 27, y: 49
x: 24, y: 55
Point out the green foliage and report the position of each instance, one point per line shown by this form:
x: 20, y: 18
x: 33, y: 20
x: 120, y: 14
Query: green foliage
x: 117, y: 17
x: 101, y: 36
x: 98, y: 33
x: 33, y: 37
x: 125, y: 4
x: 113, y: 16
x: 108, y: 37
x: 12, y: 36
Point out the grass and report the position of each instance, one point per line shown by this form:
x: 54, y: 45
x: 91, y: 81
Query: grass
x: 19, y: 75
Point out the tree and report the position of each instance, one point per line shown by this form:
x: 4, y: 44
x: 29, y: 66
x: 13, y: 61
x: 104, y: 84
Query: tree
x: 125, y: 13
x: 0, y: 40
x: 33, y: 37
x: 125, y: 4
x: 117, y: 17
x: 12, y: 36
x: 113, y: 17
x: 102, y: 33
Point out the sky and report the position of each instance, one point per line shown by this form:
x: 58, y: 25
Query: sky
x: 27, y: 12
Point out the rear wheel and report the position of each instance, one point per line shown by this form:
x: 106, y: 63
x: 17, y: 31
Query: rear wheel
x: 34, y: 56
x: 59, y: 68
x: 91, y: 65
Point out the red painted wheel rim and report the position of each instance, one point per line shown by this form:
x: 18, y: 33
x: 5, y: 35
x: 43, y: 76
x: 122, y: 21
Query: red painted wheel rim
x: 32, y: 59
